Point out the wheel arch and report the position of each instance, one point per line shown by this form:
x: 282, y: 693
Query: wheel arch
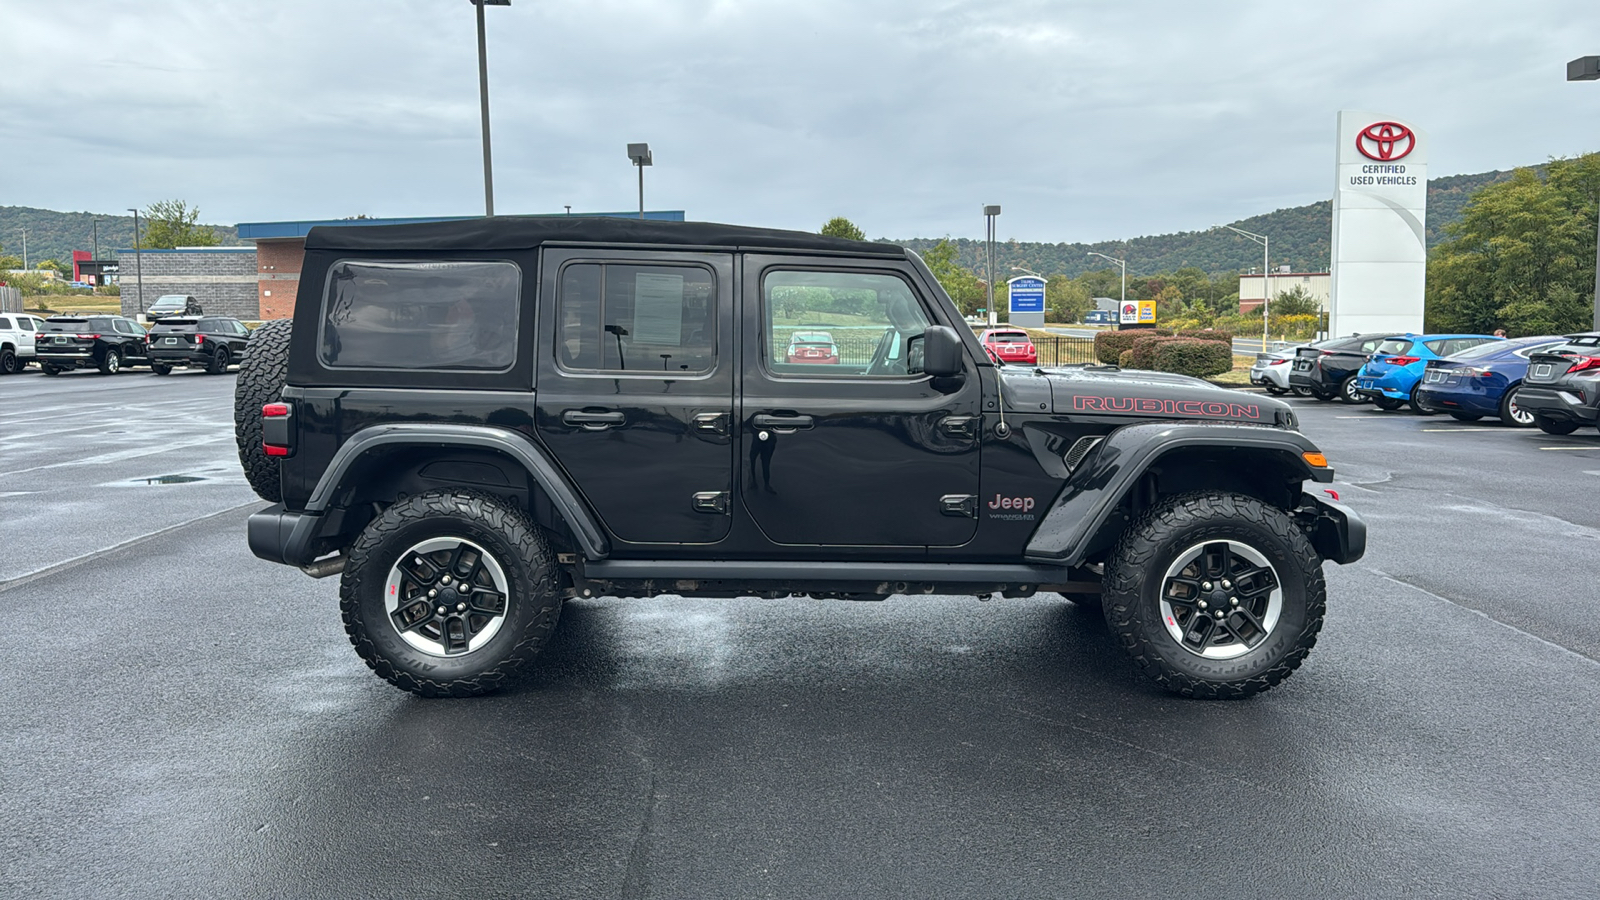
x: 382, y: 463
x: 1136, y: 466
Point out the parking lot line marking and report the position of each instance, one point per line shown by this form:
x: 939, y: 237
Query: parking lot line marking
x: 1569, y: 448
x: 1465, y: 430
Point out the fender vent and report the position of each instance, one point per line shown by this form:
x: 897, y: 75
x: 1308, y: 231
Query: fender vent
x: 1080, y: 449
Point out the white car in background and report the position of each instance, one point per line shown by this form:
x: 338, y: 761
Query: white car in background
x: 1271, y: 370
x: 16, y: 340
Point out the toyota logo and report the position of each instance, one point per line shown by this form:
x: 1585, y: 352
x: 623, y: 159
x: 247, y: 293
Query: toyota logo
x: 1386, y: 141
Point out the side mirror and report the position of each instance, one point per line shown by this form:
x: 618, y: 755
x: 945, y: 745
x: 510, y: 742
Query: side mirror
x: 941, y: 352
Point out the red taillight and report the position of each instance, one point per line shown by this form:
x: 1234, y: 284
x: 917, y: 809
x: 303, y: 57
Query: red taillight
x: 90, y: 337
x: 1276, y: 362
x: 1330, y: 353
x: 1401, y: 360
x: 1585, y: 364
x: 39, y: 336
x: 273, y: 410
x: 275, y: 450
x: 199, y: 339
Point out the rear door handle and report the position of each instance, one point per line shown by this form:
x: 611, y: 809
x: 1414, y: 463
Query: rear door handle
x: 592, y: 421
x: 781, y: 422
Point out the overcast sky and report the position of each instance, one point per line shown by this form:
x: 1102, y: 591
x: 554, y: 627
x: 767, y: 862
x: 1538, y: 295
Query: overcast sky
x: 1086, y: 121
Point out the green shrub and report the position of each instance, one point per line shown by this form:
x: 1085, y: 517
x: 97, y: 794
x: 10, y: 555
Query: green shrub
x: 1125, y: 360
x: 1188, y: 356
x: 1208, y: 334
x: 1108, y: 345
x: 1143, y: 354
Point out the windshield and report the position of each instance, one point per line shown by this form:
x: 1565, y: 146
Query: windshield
x: 1009, y: 337
x: 77, y: 325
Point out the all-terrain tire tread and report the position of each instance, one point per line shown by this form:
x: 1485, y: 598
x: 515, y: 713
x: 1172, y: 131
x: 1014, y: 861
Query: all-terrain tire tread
x: 262, y: 374
x: 1152, y: 531
x: 493, y: 513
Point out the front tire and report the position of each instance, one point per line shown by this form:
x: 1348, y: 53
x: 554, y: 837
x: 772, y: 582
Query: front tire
x: 411, y: 619
x: 1215, y: 595
x: 9, y: 363
x: 1555, y: 426
x: 1347, y: 391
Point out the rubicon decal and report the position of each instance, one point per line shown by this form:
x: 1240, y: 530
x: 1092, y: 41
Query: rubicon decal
x: 1205, y: 409
x: 1386, y: 141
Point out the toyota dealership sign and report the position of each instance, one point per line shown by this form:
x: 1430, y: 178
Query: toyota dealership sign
x: 1380, y: 204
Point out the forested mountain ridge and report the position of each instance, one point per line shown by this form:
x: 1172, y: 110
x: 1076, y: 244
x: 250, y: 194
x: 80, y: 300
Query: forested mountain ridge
x: 1300, y: 239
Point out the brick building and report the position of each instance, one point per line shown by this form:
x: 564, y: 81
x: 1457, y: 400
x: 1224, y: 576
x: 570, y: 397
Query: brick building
x: 223, y: 279
x: 279, y: 247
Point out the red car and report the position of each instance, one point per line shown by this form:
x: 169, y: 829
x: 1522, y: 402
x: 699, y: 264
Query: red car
x: 812, y: 347
x: 1010, y: 345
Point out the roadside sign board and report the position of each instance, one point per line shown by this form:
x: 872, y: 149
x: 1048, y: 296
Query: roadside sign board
x: 1027, y: 294
x: 1138, y: 312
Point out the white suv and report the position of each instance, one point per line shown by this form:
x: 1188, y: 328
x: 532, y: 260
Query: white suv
x: 16, y: 340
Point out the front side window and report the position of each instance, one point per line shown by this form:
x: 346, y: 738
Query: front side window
x: 873, y: 323
x: 421, y: 315
x: 636, y: 318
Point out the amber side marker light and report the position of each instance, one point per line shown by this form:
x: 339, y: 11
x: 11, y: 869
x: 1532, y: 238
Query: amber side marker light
x: 1315, y: 459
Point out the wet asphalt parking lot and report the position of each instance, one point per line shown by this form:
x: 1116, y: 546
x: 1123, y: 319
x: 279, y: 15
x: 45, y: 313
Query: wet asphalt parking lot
x: 181, y: 719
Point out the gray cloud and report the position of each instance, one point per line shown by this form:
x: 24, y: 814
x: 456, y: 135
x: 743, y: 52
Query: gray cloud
x: 1087, y: 121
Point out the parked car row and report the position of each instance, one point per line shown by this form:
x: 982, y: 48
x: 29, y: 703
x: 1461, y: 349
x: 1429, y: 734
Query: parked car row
x: 111, y: 343
x: 1549, y: 381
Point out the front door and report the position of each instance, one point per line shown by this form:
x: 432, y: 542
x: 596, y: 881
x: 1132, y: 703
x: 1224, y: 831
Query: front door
x: 635, y: 387
x: 843, y: 441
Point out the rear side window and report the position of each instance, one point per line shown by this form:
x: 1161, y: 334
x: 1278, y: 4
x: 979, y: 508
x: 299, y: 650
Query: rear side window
x: 1393, y: 347
x: 636, y: 318
x: 5, y: 323
x: 421, y: 315
x: 1452, y: 346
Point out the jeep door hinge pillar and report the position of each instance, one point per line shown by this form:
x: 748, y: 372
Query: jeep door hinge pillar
x: 960, y: 505
x: 711, y: 502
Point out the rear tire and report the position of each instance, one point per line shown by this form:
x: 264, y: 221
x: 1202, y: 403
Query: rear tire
x: 1416, y: 407
x: 1347, y: 391
x: 1184, y: 562
x: 1389, y: 403
x: 1300, y: 391
x: 219, y: 362
x: 261, y: 377
x: 1512, y: 414
x: 49, y: 369
x: 400, y: 601
x: 1555, y: 426
x: 1465, y: 417
x: 161, y: 368
x: 1274, y: 390
x: 9, y: 364
x: 111, y: 363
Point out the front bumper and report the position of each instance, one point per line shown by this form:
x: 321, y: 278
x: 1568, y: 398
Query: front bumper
x: 1337, y: 533
x: 1562, y: 405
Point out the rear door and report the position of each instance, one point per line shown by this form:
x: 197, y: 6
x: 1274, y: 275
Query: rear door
x: 865, y: 452
x: 635, y: 387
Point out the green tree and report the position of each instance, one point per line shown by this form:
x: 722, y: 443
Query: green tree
x: 963, y: 286
x: 7, y: 261
x: 1296, y: 301
x: 61, y: 268
x: 1522, y: 256
x: 1066, y: 299
x: 840, y: 227
x: 172, y: 223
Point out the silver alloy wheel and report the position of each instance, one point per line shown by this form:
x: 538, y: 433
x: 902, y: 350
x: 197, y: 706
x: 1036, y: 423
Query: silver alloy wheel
x: 446, y: 596
x: 1350, y: 389
x: 1518, y: 414
x: 113, y: 362
x: 1221, y: 599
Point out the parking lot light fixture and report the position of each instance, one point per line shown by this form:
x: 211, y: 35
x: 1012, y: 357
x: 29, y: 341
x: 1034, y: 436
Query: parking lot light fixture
x: 1266, y: 278
x: 990, y: 213
x: 639, y: 154
x: 483, y: 101
x: 1123, y: 264
x: 138, y: 263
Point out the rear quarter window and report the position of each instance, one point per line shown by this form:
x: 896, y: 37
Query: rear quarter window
x: 451, y: 315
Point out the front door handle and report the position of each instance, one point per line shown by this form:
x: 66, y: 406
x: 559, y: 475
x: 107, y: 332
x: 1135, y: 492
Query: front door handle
x: 781, y: 422
x: 592, y: 421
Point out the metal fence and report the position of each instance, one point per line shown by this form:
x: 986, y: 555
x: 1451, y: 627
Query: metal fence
x: 10, y: 299
x: 1064, y: 351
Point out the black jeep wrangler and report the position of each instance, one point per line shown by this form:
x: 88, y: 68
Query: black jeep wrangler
x: 473, y: 421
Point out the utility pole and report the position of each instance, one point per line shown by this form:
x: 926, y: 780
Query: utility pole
x: 1587, y: 68
x: 24, y: 248
x: 483, y: 101
x: 990, y: 214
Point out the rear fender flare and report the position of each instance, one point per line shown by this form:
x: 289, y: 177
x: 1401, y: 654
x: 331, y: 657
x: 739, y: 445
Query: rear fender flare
x: 1113, y: 469
x: 585, y: 528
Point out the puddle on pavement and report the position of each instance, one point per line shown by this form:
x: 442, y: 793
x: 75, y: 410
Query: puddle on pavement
x: 168, y: 479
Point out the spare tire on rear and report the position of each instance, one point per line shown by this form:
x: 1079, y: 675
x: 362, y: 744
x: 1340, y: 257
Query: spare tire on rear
x: 262, y: 374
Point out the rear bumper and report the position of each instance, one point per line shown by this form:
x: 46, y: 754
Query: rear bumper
x: 1560, y: 405
x: 1387, y: 385
x: 179, y: 356
x: 1337, y: 533
x: 276, y: 535
x: 1275, y: 376
x: 1459, y: 401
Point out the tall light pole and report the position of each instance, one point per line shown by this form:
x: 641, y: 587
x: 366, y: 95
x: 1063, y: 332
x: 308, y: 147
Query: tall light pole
x: 990, y: 213
x: 1587, y: 68
x: 1026, y: 271
x: 640, y: 155
x: 483, y: 101
x: 138, y: 262
x: 1124, y: 265
x: 1266, y: 279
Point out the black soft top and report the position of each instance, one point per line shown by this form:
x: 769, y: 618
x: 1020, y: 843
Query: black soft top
x: 522, y: 233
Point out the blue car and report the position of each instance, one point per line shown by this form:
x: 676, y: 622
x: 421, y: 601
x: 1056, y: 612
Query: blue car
x: 1390, y: 377
x: 1483, y: 381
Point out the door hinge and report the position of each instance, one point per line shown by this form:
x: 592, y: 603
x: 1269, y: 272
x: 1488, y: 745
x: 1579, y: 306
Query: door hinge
x: 712, y: 502
x: 963, y: 505
x: 711, y: 423
x: 960, y: 426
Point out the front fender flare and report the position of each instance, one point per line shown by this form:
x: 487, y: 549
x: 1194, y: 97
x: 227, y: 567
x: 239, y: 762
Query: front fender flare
x: 585, y: 528
x: 1112, y: 470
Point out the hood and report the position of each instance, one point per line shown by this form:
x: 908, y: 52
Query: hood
x: 1136, y: 394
